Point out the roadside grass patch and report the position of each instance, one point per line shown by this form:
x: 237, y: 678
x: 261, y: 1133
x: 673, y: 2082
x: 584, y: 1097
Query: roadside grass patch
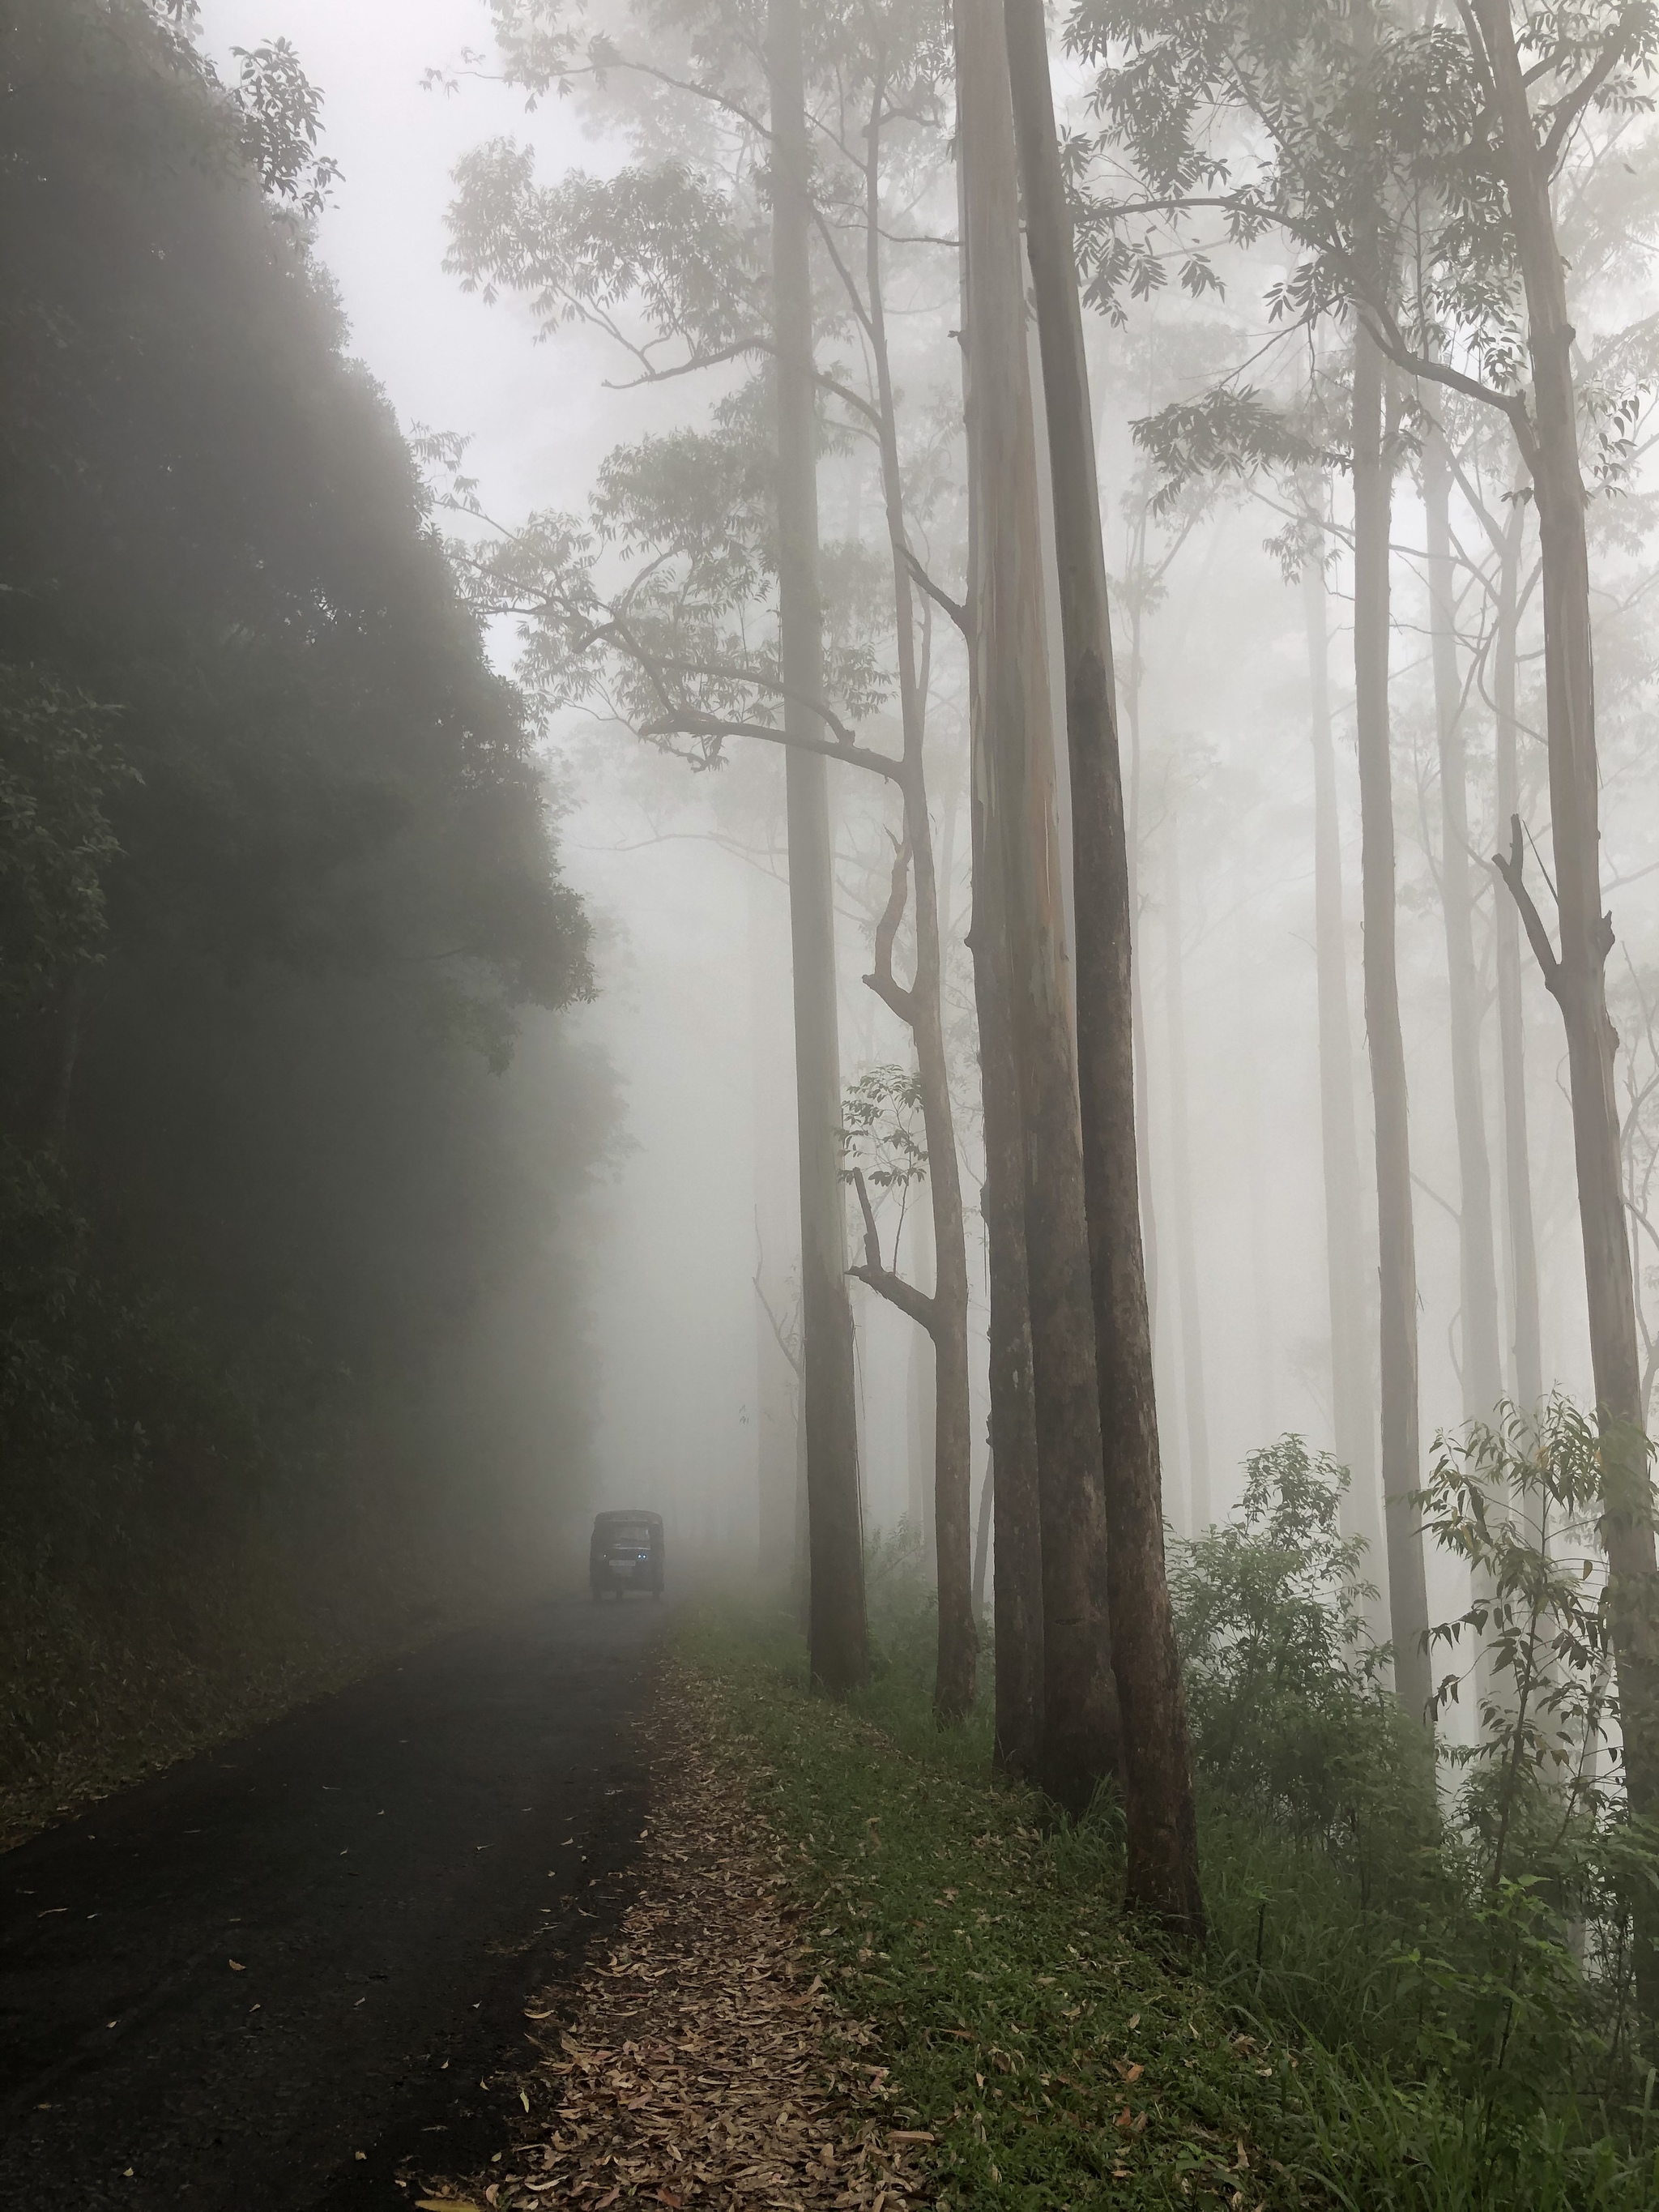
x: 1057, y: 2057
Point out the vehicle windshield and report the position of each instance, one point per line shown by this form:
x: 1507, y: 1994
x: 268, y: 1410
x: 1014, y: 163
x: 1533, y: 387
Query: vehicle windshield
x: 627, y: 1532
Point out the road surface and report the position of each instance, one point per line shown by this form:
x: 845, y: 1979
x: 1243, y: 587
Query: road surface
x: 266, y: 1979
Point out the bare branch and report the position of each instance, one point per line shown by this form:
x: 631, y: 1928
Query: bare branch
x: 921, y: 1308
x: 686, y: 723
x: 891, y: 993
x: 955, y: 608
x: 1537, y: 936
x: 737, y: 350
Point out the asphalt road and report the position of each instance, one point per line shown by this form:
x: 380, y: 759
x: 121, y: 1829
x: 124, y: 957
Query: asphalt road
x: 220, y: 1987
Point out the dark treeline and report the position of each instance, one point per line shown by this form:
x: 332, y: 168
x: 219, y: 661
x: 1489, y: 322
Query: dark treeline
x: 287, y: 1320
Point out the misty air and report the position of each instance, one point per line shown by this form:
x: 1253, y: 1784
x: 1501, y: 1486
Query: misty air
x: 830, y: 1148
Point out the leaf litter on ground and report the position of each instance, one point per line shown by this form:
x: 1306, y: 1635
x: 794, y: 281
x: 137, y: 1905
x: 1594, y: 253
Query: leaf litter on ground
x: 696, y: 2058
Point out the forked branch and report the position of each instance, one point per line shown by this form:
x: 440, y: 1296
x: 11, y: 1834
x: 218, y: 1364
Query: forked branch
x: 1509, y: 867
x: 921, y: 1308
x: 891, y: 993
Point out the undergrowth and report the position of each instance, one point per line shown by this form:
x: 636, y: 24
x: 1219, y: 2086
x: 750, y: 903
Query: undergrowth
x: 1056, y: 2058
x: 1367, y: 2026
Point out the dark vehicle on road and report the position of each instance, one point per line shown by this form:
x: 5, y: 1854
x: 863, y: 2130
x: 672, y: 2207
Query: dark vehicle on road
x: 626, y: 1554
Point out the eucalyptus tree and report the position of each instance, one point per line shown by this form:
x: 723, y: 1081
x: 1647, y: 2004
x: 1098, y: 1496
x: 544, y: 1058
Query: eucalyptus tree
x: 1018, y: 933
x: 672, y: 646
x: 1353, y: 1398
x: 1465, y: 130
x: 886, y: 123
x: 1339, y: 115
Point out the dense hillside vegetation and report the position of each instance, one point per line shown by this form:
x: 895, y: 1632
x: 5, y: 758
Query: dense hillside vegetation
x: 289, y: 1123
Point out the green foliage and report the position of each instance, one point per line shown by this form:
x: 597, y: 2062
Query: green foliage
x: 1053, y: 2059
x: 1282, y: 1679
x: 58, y: 767
x: 279, y: 901
x: 881, y: 1129
x: 1058, y: 2059
x: 1467, y: 1957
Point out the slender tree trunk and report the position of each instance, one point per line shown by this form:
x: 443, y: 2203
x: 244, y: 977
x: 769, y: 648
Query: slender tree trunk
x: 776, y: 1191
x: 1017, y: 1592
x: 1081, y: 1716
x: 1577, y: 978
x: 836, y: 1635
x: 1162, y: 1847
x: 1149, y: 1230
x: 922, y: 1006
x: 1408, y: 1604
x: 921, y: 1390
x: 1353, y: 1403
x: 1521, y: 1239
x: 1017, y: 1510
x: 1262, y: 1210
x: 1483, y: 1380
x: 1181, y: 1175
x: 983, y: 1534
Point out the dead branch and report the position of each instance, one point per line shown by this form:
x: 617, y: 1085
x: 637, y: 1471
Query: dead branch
x: 891, y: 993
x: 1538, y: 936
x: 955, y: 608
x: 921, y: 1308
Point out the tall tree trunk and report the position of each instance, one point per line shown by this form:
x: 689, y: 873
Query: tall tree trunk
x: 1148, y: 1227
x: 1017, y: 1507
x: 777, y: 1378
x: 988, y: 1490
x: 1577, y: 977
x: 922, y: 1008
x: 1181, y: 1175
x: 1163, y: 1845
x: 1353, y: 1403
x: 1265, y: 1332
x: 836, y: 1635
x: 1483, y: 1379
x: 1521, y: 1240
x: 1408, y: 1604
x: 1081, y: 1716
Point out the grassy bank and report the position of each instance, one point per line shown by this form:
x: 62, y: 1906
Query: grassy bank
x: 1059, y: 2058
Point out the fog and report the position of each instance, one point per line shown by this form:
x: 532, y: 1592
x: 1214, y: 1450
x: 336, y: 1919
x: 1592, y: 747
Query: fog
x: 685, y: 874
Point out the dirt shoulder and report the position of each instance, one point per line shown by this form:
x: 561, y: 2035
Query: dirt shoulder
x: 697, y: 2057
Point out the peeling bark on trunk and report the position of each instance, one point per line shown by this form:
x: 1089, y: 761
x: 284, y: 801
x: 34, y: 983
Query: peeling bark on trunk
x: 1483, y: 1380
x: 1353, y: 1404
x: 1408, y: 1605
x: 1081, y: 1716
x: 836, y: 1634
x: 1163, y: 1874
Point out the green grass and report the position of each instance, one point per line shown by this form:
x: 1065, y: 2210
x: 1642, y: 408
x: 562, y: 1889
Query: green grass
x: 1063, y: 2058
x: 1057, y: 2060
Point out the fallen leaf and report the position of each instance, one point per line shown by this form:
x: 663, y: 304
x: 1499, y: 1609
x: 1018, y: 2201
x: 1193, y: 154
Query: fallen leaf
x: 236, y: 1966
